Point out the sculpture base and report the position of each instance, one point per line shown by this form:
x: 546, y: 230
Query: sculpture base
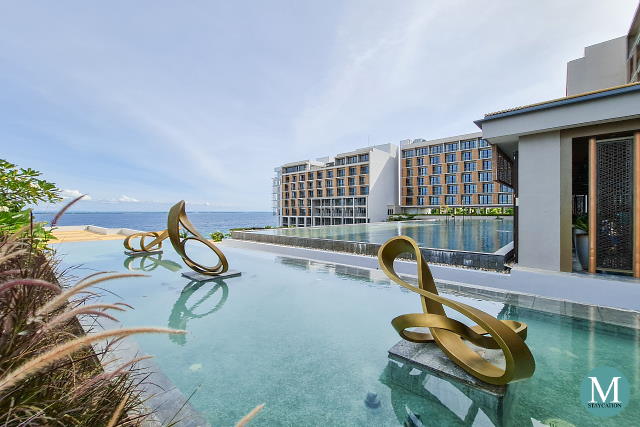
x: 429, y: 357
x: 143, y: 253
x: 426, y: 371
x: 199, y: 277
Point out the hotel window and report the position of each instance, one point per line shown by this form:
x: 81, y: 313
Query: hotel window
x: 466, y: 177
x: 309, y: 176
x: 466, y: 200
x: 422, y: 151
x: 433, y: 180
x: 301, y: 177
x: 505, y: 199
x: 341, y: 172
x: 484, y: 176
x: 352, y: 191
x: 452, y: 146
x: 286, y: 196
x: 310, y: 193
x: 437, y: 170
x: 452, y: 168
x: 319, y: 184
x: 423, y: 171
x: 487, y: 188
x: 408, y: 153
x: 470, y: 166
x: 486, y: 164
x: 294, y: 194
x: 409, y: 172
x: 466, y: 155
x: 435, y: 190
x: 329, y: 192
x: 351, y: 181
x: 352, y: 170
x: 364, y: 169
x: 467, y: 145
x: 362, y: 180
x: 450, y: 200
x: 505, y: 189
x: 329, y: 174
x: 310, y: 184
x: 409, y: 191
x: 451, y: 157
x: 407, y: 182
x: 363, y: 157
x: 470, y: 188
x: 452, y: 189
x: 318, y: 175
x: 286, y: 203
x: 329, y: 183
x: 451, y: 179
x: 420, y: 201
x: 293, y: 186
x: 420, y: 181
x: 483, y: 143
x: 434, y: 160
x: 319, y: 193
x: 423, y: 191
x: 340, y: 191
x: 420, y: 161
x: 340, y: 161
x: 408, y: 200
x: 364, y: 190
x: 434, y: 200
x: 301, y: 186
x: 485, y: 200
x: 293, y: 178
x: 352, y: 159
x: 407, y: 163
x: 340, y: 182
x: 435, y: 149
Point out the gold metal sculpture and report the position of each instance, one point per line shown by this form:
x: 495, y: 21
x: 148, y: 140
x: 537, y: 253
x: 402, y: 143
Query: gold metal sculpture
x: 149, y: 263
x: 154, y: 245
x: 177, y: 219
x: 452, y: 336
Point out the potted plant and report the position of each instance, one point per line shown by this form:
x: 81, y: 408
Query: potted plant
x: 581, y: 240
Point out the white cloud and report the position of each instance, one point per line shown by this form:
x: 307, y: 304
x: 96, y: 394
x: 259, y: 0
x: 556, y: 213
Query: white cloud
x: 72, y: 194
x: 125, y: 198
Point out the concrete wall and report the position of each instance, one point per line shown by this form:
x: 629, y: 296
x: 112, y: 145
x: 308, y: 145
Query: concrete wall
x: 603, y: 66
x: 544, y: 177
x: 383, y: 184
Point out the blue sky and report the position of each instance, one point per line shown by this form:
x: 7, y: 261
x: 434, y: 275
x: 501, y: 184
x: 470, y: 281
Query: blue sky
x: 140, y: 104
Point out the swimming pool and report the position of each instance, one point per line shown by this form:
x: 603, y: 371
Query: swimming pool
x: 311, y: 339
x: 474, y: 235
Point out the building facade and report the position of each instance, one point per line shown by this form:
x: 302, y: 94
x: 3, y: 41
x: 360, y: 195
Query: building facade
x: 451, y: 172
x: 349, y: 188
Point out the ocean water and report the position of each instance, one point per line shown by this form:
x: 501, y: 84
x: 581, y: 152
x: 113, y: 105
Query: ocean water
x: 205, y: 222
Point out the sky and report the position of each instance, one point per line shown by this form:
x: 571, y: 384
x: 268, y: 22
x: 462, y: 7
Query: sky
x: 141, y: 104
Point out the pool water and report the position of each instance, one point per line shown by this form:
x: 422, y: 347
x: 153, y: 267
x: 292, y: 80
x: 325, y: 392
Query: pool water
x: 310, y: 340
x: 474, y: 235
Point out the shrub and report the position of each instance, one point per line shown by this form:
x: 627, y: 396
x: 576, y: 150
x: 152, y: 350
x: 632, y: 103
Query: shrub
x: 217, y: 236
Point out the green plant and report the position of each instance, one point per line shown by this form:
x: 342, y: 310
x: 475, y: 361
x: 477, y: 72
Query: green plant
x: 582, y: 223
x: 217, y: 236
x: 21, y: 187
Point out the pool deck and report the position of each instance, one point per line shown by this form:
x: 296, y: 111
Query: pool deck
x: 82, y: 236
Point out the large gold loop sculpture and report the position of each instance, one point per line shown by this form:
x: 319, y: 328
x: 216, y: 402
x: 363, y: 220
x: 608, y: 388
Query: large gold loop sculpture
x: 154, y: 245
x: 178, y: 218
x: 450, y: 335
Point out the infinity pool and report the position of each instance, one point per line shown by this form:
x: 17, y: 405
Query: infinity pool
x: 474, y: 235
x: 310, y: 340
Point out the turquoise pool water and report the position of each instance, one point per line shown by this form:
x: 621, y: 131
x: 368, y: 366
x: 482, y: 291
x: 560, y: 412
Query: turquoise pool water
x: 310, y: 340
x: 475, y: 235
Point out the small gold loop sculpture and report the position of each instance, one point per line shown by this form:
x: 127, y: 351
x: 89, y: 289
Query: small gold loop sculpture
x: 450, y: 334
x: 154, y: 245
x: 178, y: 218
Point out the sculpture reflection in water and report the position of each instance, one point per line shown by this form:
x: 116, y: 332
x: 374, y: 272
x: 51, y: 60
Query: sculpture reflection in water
x: 181, y: 312
x: 142, y: 245
x: 178, y: 220
x: 149, y: 263
x: 452, y: 336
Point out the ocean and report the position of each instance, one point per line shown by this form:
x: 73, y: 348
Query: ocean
x: 205, y: 222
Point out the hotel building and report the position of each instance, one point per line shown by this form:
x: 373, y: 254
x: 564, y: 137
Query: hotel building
x: 450, y: 172
x: 349, y: 188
